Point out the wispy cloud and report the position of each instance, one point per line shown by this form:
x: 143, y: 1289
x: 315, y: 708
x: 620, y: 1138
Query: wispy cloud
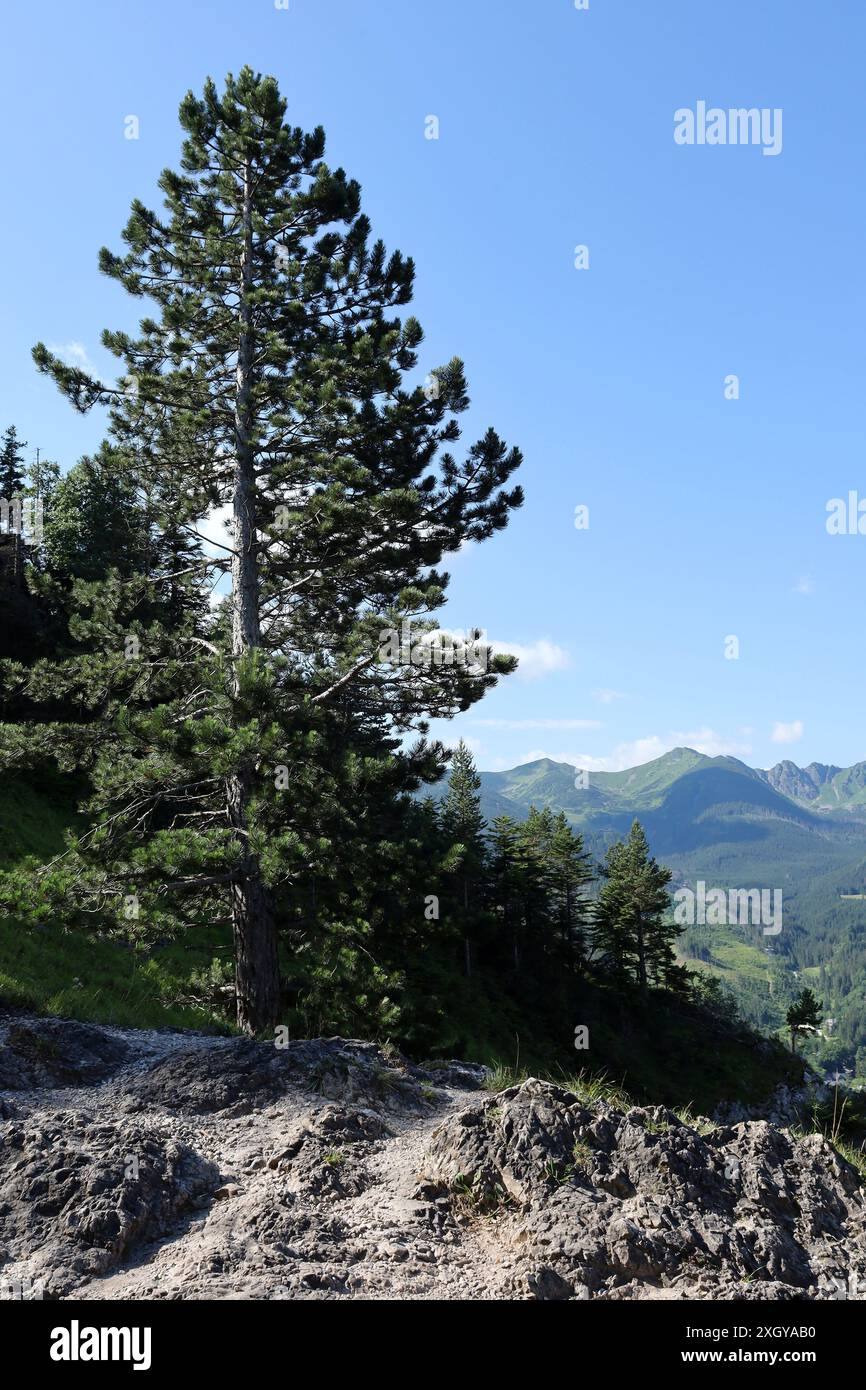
x: 804, y: 585
x: 787, y: 733
x: 74, y: 354
x: 607, y: 697
x: 538, y: 659
x: 644, y: 750
x: 518, y: 724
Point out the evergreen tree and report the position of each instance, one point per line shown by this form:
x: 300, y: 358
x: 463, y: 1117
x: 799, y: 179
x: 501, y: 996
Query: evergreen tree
x: 96, y: 522
x: 43, y: 476
x: 12, y: 469
x: 270, y: 382
x: 803, y: 1016
x: 536, y: 834
x: 571, y: 874
x: 508, y: 881
x: 463, y: 827
x: 631, y: 931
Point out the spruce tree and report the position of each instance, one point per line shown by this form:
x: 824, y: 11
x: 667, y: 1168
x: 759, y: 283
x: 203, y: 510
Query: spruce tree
x: 803, y: 1016
x: 631, y: 930
x: 571, y: 874
x: 538, y: 894
x: 514, y: 883
x: 269, y: 381
x: 12, y: 469
x: 462, y: 824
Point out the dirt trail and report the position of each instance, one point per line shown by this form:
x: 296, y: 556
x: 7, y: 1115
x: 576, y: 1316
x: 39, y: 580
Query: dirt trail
x: 148, y: 1165
x: 345, y: 1220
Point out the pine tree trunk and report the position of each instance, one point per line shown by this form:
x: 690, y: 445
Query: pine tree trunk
x: 257, y: 977
x: 257, y: 981
x: 641, y: 957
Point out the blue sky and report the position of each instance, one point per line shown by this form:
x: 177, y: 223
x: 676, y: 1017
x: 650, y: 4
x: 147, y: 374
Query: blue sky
x: 707, y: 516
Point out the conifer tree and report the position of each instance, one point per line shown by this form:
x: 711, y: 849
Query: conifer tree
x: 631, y: 930
x: 514, y: 882
x: 536, y: 834
x: 269, y: 381
x: 463, y: 826
x: 571, y: 874
x: 803, y: 1016
x: 12, y: 468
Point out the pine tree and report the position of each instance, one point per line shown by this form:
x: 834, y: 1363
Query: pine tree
x: 506, y: 880
x: 803, y: 1016
x: 12, y: 469
x: 270, y: 382
x: 463, y: 827
x: 571, y: 874
x: 631, y: 930
x: 43, y: 477
x: 536, y: 836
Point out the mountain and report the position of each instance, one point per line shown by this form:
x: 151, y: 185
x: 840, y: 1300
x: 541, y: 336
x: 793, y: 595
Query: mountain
x: 704, y: 815
x: 800, y: 831
x: 821, y: 787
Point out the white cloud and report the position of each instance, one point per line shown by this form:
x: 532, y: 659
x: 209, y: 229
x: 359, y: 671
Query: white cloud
x: 607, y: 697
x: 214, y: 529
x: 804, y: 585
x: 74, y: 354
x: 787, y: 733
x: 539, y: 723
x: 537, y: 660
x: 644, y: 750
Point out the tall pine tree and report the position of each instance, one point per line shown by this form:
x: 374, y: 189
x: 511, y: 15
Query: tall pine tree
x: 269, y: 382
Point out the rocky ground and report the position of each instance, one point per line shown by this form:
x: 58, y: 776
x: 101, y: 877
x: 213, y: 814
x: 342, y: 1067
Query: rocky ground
x: 173, y: 1166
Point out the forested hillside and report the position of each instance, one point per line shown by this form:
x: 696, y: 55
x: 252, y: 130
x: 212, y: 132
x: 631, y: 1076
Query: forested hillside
x: 730, y: 826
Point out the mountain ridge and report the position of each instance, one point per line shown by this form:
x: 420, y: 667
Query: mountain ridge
x: 818, y: 786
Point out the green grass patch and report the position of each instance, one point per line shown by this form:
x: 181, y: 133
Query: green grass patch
x: 80, y: 976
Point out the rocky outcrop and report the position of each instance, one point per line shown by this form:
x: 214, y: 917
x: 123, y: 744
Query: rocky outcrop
x: 76, y: 1196
x: 628, y: 1204
x: 51, y: 1052
x: 237, y: 1076
x: 161, y: 1165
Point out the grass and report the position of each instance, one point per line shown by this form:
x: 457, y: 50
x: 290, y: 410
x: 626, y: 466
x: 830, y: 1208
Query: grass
x: 475, y: 1197
x: 582, y: 1156
x: 842, y: 1122
x: 34, y: 818
x: 686, y: 1116
x: 74, y: 974
x: 660, y: 1049
x: 88, y: 978
x: 588, y: 1087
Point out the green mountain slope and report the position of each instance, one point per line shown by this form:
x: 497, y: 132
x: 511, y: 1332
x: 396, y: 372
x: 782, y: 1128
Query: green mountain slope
x: 801, y: 831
